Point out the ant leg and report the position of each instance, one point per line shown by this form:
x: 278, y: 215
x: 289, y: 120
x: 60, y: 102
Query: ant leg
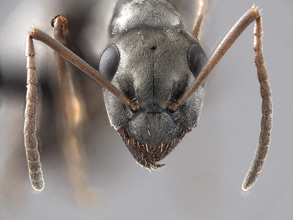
x: 201, y: 12
x: 71, y: 104
x: 73, y: 114
x: 266, y: 121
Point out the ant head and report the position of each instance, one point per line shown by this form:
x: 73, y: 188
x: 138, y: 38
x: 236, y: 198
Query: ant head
x: 154, y: 67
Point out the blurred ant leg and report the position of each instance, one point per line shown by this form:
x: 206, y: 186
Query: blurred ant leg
x: 72, y: 105
x: 201, y: 12
x: 73, y: 113
x: 266, y: 123
x: 30, y: 121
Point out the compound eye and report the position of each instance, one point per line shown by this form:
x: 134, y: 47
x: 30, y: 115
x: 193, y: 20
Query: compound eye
x: 196, y: 59
x: 109, y: 62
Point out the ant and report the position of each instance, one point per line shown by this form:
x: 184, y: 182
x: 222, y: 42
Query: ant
x: 153, y: 77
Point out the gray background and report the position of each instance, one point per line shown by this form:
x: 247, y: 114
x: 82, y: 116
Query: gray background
x: 203, y: 175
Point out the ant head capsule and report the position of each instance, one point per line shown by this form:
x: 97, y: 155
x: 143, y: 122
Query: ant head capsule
x: 155, y: 67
